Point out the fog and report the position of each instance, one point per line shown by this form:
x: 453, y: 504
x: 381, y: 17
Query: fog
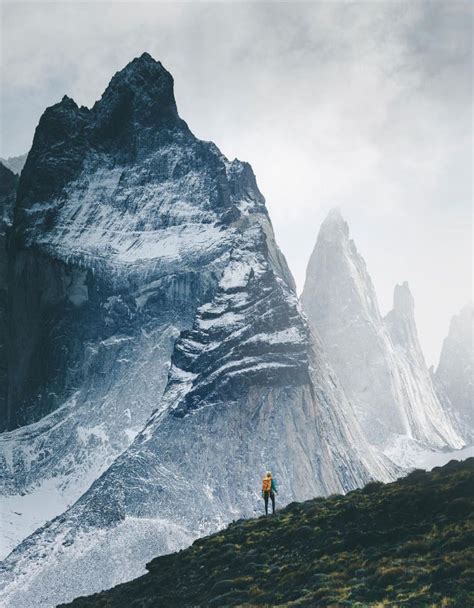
x: 364, y: 106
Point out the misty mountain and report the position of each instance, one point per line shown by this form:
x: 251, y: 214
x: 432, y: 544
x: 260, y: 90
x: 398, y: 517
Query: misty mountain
x: 378, y: 361
x: 454, y: 376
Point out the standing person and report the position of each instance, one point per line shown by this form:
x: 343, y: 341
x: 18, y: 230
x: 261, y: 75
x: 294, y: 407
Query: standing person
x: 269, y: 490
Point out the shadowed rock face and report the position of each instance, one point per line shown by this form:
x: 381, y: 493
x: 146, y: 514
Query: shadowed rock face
x: 379, y: 361
x: 109, y: 195
x: 8, y: 186
x: 57, y: 294
x: 173, y: 322
x: 454, y: 376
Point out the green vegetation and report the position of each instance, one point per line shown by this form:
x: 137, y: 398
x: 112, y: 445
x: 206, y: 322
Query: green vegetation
x: 408, y: 543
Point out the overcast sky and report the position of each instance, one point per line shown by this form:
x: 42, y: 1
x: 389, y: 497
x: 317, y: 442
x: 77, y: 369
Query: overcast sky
x: 366, y: 106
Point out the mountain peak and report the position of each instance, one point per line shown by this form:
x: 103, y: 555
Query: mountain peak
x: 142, y: 91
x: 336, y: 264
x: 63, y: 107
x: 334, y: 224
x: 403, y: 301
x: 455, y: 372
x: 146, y: 57
x: 8, y: 183
x: 461, y: 326
x: 144, y: 66
x: 467, y: 310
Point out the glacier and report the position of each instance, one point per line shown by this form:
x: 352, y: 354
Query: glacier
x: 162, y: 360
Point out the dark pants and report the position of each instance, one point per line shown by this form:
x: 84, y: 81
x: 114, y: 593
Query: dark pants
x: 266, y: 496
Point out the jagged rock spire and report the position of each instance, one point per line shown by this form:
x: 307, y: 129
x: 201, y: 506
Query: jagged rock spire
x: 403, y: 301
x: 454, y: 376
x: 142, y: 92
x: 338, y: 287
x: 334, y: 225
x: 401, y: 323
x: 379, y: 361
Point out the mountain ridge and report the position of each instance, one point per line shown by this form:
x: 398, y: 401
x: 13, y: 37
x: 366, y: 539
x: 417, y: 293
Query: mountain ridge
x: 407, y: 542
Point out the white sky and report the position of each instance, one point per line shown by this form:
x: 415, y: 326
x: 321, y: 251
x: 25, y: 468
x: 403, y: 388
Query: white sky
x: 362, y: 105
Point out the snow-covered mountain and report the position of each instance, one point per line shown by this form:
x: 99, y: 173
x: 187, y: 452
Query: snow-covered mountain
x: 150, y: 294
x: 115, y: 243
x: 454, y: 377
x: 379, y: 361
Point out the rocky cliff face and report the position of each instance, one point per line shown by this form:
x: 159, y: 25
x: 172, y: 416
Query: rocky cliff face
x: 151, y: 295
x: 117, y: 239
x: 429, y: 421
x: 379, y: 362
x: 8, y: 186
x: 454, y: 377
x: 85, y: 218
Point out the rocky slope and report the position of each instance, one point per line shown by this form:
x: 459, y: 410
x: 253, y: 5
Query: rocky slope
x: 379, y: 361
x: 408, y: 543
x: 454, y: 377
x: 145, y: 261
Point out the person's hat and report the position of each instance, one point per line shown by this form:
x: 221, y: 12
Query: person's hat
x: 269, y: 473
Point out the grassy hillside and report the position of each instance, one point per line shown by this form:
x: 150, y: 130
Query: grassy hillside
x: 408, y: 543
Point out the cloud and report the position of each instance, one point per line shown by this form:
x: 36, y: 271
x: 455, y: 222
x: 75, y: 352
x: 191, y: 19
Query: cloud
x: 362, y: 105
